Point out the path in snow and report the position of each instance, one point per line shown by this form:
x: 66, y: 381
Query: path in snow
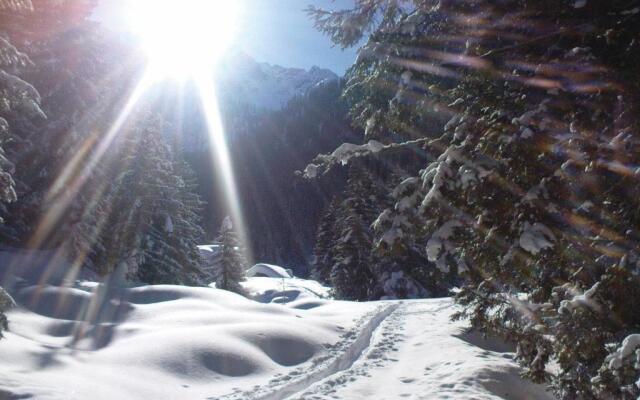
x: 418, y: 353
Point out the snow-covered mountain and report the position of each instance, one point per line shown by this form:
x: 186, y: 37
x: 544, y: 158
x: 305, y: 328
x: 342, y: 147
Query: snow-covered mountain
x: 244, y: 81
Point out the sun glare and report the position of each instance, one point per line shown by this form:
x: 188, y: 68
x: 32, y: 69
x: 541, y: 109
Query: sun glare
x: 184, y: 37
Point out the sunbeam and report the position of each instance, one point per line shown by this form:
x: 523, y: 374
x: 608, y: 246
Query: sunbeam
x: 220, y: 157
x: 77, y: 171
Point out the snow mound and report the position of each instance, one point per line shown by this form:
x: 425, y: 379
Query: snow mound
x: 161, y: 342
x: 268, y: 270
x: 294, y: 292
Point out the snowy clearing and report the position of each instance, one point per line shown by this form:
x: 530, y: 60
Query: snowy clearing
x: 168, y: 342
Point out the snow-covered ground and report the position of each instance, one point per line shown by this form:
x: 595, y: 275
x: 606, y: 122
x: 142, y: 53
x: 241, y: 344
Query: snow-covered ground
x: 418, y: 353
x: 166, y: 342
x: 171, y: 342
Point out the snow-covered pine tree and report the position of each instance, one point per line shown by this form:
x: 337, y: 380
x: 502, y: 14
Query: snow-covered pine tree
x: 19, y: 100
x: 531, y: 187
x: 187, y: 221
x: 58, y: 170
x: 19, y: 108
x: 149, y: 233
x: 38, y: 30
x: 230, y: 264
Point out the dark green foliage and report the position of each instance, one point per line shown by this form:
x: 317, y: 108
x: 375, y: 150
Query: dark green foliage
x: 324, y: 252
x: 348, y: 232
x: 342, y: 255
x: 121, y: 203
x: 352, y: 274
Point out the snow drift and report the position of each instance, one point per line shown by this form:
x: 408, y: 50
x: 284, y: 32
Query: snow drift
x: 158, y: 342
x: 295, y: 292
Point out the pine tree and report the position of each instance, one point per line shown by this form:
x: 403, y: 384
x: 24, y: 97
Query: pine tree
x: 20, y: 100
x: 148, y: 230
x: 353, y: 272
x: 186, y: 223
x: 58, y: 165
x: 40, y: 31
x: 230, y: 265
x: 324, y: 253
x: 351, y: 275
x: 19, y: 107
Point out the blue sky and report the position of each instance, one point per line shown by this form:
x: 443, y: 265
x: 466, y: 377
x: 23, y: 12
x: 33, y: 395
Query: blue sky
x: 273, y: 31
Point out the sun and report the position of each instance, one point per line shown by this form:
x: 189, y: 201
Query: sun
x: 184, y: 37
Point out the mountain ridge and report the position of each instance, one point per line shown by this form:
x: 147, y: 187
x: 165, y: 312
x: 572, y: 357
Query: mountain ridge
x: 266, y: 87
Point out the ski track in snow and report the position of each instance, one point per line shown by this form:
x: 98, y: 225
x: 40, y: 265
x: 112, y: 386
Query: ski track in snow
x: 418, y: 353
x: 341, y: 357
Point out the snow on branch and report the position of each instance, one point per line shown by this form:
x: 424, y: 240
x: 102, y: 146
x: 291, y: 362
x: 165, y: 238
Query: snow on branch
x: 586, y: 299
x: 348, y: 151
x: 23, y: 95
x: 536, y: 237
x: 439, y: 246
x: 630, y: 346
x: 342, y: 155
x: 10, y: 55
